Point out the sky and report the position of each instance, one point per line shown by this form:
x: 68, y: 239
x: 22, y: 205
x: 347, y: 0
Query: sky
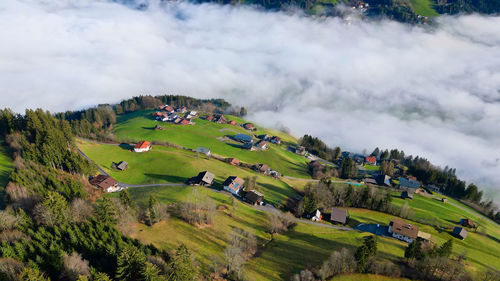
x: 432, y: 91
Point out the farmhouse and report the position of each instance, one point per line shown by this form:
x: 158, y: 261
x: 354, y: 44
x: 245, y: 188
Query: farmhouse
x: 408, y: 183
x: 204, y: 178
x: 142, y: 146
x: 243, y: 138
x: 466, y: 222
x: 300, y: 150
x: 403, y: 231
x: 276, y: 140
x: 460, y: 232
x: 233, y: 184
x: 372, y: 160
x: 203, y: 150
x: 406, y: 194
x: 233, y: 161
x: 104, y: 182
x: 219, y: 118
x: 254, y: 197
x: 249, y: 126
x: 383, y: 180
x: 338, y: 215
x: 122, y: 165
x: 262, y: 144
x: 261, y: 168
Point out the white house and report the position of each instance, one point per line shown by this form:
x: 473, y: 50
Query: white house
x: 403, y: 231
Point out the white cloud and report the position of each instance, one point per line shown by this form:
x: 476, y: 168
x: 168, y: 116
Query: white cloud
x: 432, y: 91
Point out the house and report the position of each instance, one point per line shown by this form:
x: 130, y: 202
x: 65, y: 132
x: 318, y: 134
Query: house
x: 408, y: 183
x: 338, y: 215
x: 444, y: 200
x: 184, y: 122
x: 233, y: 161
x: 104, y: 182
x: 204, y: 178
x: 274, y: 173
x: 249, y: 126
x: 158, y: 114
x: 203, y: 150
x: 262, y: 144
x: 248, y: 145
x: 177, y: 120
x: 403, y: 231
x: 172, y: 116
x: 243, y: 138
x: 233, y: 184
x: 232, y: 122
x: 209, y: 118
x: 142, y: 146
x: 276, y: 140
x: 168, y: 108
x: 181, y: 109
x: 433, y: 188
x: 193, y: 113
x: 219, y: 118
x: 264, y: 137
x: 460, y: 232
x: 412, y: 177
x: 466, y: 222
x: 122, y: 165
x: 406, y: 194
x: 370, y: 181
x: 317, y: 216
x: 254, y: 197
x: 372, y: 160
x: 261, y: 168
x: 300, y: 150
x: 383, y: 180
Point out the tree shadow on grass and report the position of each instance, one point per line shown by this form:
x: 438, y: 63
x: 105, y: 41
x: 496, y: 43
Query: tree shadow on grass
x: 126, y: 146
x: 169, y: 178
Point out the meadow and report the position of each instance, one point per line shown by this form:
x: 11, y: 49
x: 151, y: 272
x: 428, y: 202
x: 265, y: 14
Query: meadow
x: 424, y: 8
x: 140, y: 126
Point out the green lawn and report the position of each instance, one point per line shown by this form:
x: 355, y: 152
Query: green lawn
x: 307, y: 245
x: 139, y: 126
x: 5, y: 169
x: 366, y: 277
x: 424, y: 8
x: 483, y: 251
x: 171, y: 165
x: 371, y: 167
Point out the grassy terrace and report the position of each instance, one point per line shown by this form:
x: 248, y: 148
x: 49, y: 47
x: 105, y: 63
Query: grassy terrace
x: 139, y: 126
x: 5, y: 169
x: 424, y: 8
x: 170, y: 165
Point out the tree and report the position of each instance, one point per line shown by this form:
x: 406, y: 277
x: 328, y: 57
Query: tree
x: 130, y: 264
x: 243, y: 111
x: 367, y: 250
x: 74, y: 266
x: 106, y: 210
x: 125, y: 198
x: 386, y: 168
x: 414, y: 250
x: 445, y: 249
x: 348, y: 169
x: 376, y: 152
x: 181, y: 268
x: 309, y: 205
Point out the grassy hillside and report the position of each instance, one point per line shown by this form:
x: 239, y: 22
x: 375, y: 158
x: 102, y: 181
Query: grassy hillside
x: 170, y: 165
x: 365, y: 277
x: 424, y: 8
x: 139, y: 126
x: 5, y: 169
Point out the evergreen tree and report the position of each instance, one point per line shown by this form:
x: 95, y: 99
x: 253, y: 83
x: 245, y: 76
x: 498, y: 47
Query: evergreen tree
x: 125, y: 198
x: 445, y: 249
x: 181, y: 266
x: 106, y: 210
x: 153, y: 216
x: 243, y: 111
x: 130, y: 264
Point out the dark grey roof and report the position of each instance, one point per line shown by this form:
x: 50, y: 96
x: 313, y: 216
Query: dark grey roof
x: 122, y: 165
x: 338, y: 215
x: 460, y: 232
x: 243, y: 137
x: 408, y: 183
x: 203, y: 150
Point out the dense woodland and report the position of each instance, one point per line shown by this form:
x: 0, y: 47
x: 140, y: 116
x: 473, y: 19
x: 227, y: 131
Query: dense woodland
x: 52, y: 228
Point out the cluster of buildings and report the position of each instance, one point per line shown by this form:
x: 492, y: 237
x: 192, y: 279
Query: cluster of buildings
x: 336, y: 216
x: 179, y: 115
x: 219, y: 118
x: 261, y: 143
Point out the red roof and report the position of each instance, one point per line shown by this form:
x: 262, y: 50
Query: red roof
x: 168, y: 108
x: 232, y: 122
x: 159, y: 114
x: 142, y: 144
x: 184, y: 122
x: 371, y: 159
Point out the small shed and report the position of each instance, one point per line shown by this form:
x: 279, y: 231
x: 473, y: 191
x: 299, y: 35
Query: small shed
x: 233, y: 161
x: 122, y: 165
x: 406, y: 194
x: 460, y: 232
x: 203, y: 150
x: 466, y: 222
x: 444, y: 200
x: 204, y: 178
x: 254, y: 197
x: 317, y: 216
x: 338, y: 215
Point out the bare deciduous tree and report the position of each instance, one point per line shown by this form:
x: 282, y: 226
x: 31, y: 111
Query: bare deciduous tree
x: 81, y: 210
x: 74, y: 266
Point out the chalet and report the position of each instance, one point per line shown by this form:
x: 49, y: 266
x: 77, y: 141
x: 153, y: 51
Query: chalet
x: 168, y: 108
x: 466, y: 222
x: 276, y: 140
x: 104, y: 182
x: 243, y: 138
x: 370, y: 181
x: 372, y: 160
x: 219, y: 118
x: 460, y: 232
x: 122, y: 165
x: 300, y: 150
x: 403, y: 231
x: 338, y: 215
x: 317, y: 216
x: 203, y: 150
x: 204, y: 178
x: 233, y: 184
x: 142, y: 146
x: 406, y: 194
x: 232, y: 122
x: 262, y: 144
x: 408, y: 183
x: 261, y: 168
x: 233, y: 161
x: 254, y: 197
x: 249, y: 126
x: 181, y: 109
x: 383, y: 180
x: 248, y: 145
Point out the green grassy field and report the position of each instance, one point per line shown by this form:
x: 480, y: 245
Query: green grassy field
x: 365, y: 277
x: 424, y: 8
x: 371, y: 167
x: 483, y: 250
x: 139, y: 126
x: 5, y: 169
x: 171, y: 165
